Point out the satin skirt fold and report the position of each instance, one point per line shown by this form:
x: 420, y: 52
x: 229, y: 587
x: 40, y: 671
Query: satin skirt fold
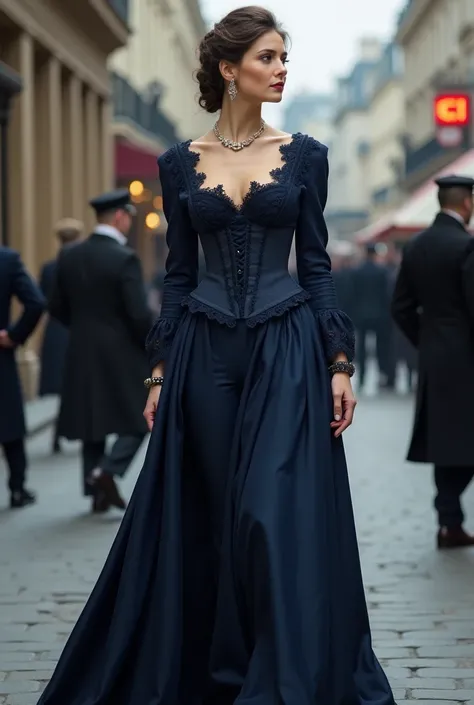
x: 235, y: 575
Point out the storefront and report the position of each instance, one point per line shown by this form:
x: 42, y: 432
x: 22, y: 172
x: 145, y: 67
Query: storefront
x: 418, y: 212
x: 10, y: 85
x: 56, y: 144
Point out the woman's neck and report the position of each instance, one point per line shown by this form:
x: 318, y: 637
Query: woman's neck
x: 238, y: 122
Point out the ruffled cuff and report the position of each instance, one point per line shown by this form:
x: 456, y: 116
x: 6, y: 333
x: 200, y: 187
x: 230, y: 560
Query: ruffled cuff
x: 337, y: 332
x: 160, y: 339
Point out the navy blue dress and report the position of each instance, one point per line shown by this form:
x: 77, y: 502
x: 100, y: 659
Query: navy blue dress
x: 235, y: 575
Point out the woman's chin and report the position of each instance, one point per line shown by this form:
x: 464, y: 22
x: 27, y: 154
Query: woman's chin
x: 274, y: 97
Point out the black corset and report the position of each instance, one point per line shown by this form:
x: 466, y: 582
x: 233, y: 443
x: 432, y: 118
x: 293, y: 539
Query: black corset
x: 247, y: 247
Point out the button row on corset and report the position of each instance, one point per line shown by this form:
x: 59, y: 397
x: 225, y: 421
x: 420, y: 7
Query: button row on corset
x: 240, y: 243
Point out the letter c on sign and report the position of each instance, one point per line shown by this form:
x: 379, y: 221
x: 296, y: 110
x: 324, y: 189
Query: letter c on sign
x: 452, y: 110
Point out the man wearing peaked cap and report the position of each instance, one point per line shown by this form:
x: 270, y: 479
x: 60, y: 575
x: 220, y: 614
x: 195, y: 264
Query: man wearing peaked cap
x: 113, y: 201
x: 433, y: 304
x: 99, y: 293
x: 453, y: 181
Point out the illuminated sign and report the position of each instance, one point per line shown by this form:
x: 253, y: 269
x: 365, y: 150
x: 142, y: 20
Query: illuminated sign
x: 452, y: 109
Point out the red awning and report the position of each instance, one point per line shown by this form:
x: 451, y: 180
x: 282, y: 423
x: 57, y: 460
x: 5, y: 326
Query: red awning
x: 131, y: 162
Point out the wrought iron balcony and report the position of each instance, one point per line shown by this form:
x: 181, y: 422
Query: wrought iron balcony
x: 133, y: 107
x: 121, y: 7
x: 430, y: 151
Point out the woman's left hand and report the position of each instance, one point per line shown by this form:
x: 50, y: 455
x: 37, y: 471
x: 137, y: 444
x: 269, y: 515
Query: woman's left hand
x: 344, y: 403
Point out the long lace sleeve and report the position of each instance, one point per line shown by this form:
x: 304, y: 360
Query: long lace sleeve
x: 181, y: 264
x: 313, y: 262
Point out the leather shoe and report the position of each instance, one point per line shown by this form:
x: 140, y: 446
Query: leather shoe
x: 21, y: 499
x: 100, y: 504
x: 105, y: 484
x: 454, y: 537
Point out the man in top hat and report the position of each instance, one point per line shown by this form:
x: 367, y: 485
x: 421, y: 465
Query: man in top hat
x: 99, y: 294
x: 433, y: 304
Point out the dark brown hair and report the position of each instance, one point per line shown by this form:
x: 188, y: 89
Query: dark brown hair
x: 230, y: 39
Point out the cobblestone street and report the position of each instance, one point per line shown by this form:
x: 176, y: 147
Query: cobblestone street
x: 421, y: 601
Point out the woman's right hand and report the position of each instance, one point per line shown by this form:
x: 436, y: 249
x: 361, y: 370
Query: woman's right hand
x: 152, y: 405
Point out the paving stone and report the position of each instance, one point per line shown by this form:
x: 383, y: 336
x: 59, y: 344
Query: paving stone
x: 34, y: 675
x: 17, y: 656
x: 414, y: 663
x: 456, y: 695
x: 455, y: 651
x: 25, y: 686
x: 465, y: 674
x: 36, y: 647
x: 430, y: 702
x: 23, y: 699
x: 392, y: 673
x: 468, y: 683
x: 392, y: 652
x: 424, y: 683
x: 25, y: 668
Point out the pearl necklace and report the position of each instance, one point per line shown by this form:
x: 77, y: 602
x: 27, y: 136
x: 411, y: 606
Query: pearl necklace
x: 237, y: 146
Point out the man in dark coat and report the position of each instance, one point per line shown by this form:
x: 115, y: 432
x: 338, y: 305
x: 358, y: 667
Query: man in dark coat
x: 403, y: 353
x: 433, y: 304
x: 100, y: 295
x: 15, y: 282
x: 55, y: 337
x: 343, y: 274
x: 370, y: 312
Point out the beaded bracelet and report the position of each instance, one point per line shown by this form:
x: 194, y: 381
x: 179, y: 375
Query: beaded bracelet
x: 344, y: 367
x: 153, y: 382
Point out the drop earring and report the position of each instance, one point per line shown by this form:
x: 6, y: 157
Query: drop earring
x: 232, y: 90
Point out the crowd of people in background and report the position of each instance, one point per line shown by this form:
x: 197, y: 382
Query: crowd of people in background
x: 365, y: 279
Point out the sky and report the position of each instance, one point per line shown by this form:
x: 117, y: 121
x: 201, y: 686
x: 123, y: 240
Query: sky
x: 324, y: 35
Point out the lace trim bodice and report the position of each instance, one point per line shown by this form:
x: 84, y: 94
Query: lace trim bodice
x: 247, y: 245
x: 279, y: 175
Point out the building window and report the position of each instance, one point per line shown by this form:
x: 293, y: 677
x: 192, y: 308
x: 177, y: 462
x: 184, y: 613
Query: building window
x: 470, y: 67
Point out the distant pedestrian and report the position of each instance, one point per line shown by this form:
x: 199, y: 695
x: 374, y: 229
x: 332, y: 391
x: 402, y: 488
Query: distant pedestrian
x: 371, y: 313
x: 15, y: 282
x: 55, y: 338
x: 403, y: 354
x: 433, y: 304
x: 99, y: 294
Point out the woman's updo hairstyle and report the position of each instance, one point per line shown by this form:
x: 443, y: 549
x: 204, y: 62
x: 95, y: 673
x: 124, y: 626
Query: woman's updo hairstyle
x: 230, y: 39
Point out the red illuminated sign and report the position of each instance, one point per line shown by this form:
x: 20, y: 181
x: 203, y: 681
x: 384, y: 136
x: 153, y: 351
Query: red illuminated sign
x: 452, y: 109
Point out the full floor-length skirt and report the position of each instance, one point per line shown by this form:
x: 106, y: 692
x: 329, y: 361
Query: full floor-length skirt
x: 235, y: 575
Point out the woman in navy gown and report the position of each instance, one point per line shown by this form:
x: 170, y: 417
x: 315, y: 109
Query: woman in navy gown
x: 235, y: 575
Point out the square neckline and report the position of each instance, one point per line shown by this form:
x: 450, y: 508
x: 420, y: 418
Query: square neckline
x: 278, y: 176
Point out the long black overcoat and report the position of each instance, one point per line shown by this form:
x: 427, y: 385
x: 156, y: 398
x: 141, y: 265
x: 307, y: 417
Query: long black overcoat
x: 99, y: 294
x: 15, y: 282
x: 55, y: 340
x: 433, y: 304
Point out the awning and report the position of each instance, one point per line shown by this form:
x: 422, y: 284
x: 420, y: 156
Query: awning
x: 10, y: 81
x: 132, y: 162
x: 419, y: 210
